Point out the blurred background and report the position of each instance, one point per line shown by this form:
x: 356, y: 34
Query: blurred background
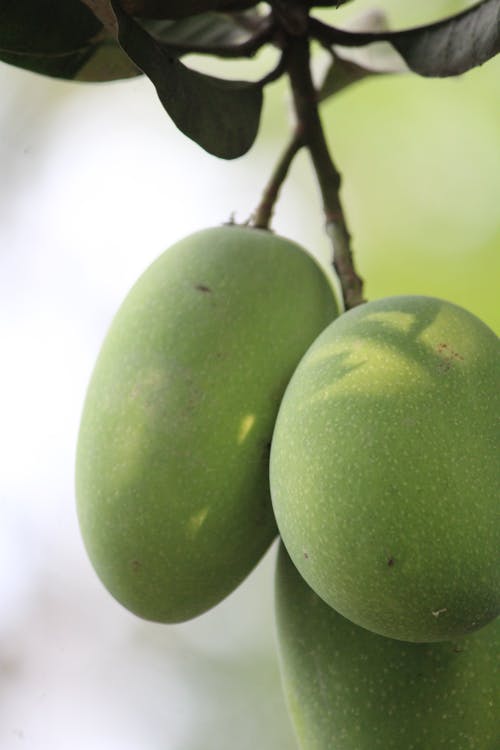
x: 95, y: 182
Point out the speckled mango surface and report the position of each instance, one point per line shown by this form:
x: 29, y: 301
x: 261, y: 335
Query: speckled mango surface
x: 172, y: 469
x: 385, y: 471
x: 349, y: 689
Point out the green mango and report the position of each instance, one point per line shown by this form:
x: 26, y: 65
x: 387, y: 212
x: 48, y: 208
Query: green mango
x: 349, y: 689
x: 384, y: 468
x: 172, y: 466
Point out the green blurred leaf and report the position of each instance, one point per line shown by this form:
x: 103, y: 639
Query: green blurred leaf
x: 62, y: 39
x: 352, y: 64
x: 221, y: 116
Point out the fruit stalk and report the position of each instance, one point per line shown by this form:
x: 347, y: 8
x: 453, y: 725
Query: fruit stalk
x: 306, y: 108
x: 264, y: 211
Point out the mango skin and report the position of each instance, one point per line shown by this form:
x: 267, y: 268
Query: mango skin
x: 384, y: 468
x: 172, y: 459
x: 349, y: 689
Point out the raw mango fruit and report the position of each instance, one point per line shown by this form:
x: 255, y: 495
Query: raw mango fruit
x: 172, y: 469
x: 349, y: 689
x: 385, y: 473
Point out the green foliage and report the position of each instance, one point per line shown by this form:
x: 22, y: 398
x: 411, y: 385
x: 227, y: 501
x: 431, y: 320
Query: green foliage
x: 208, y: 32
x: 221, y: 116
x: 45, y: 26
x: 439, y: 50
x: 350, y: 689
x: 172, y: 464
x: 383, y: 468
x: 174, y: 9
x: 62, y: 39
x: 224, y: 119
x: 445, y: 48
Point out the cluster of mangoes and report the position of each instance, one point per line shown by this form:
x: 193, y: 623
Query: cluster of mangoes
x: 231, y: 401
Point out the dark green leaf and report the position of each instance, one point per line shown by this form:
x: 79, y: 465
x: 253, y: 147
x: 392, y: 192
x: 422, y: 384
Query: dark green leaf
x: 95, y: 64
x: 221, y: 116
x: 447, y: 48
x: 108, y: 62
x: 45, y: 26
x: 60, y: 38
x: 61, y: 66
x: 209, y: 31
x: 328, y: 3
x: 175, y: 9
x: 454, y: 45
